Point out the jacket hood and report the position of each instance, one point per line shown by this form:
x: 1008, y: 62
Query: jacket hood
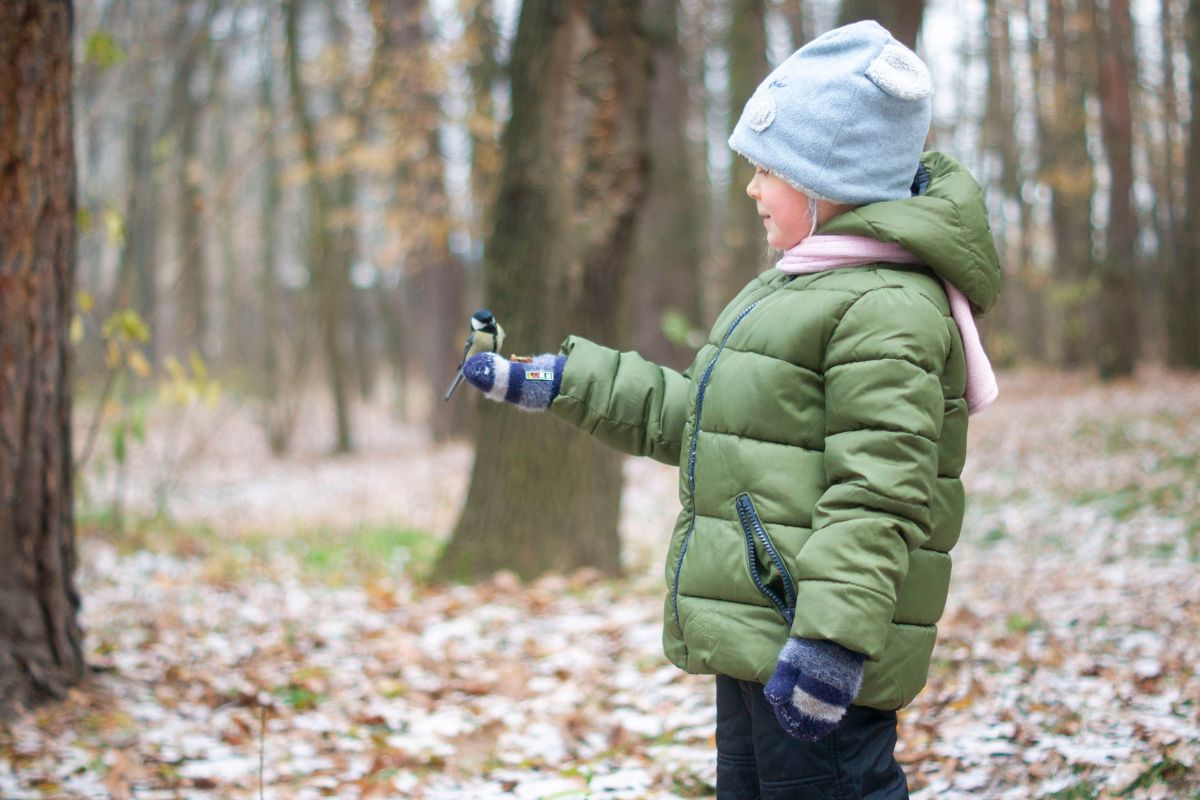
x: 944, y: 224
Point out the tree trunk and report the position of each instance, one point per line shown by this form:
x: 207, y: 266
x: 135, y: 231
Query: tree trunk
x: 1166, y: 208
x: 901, y: 17
x: 184, y: 113
x: 1067, y: 170
x: 330, y: 281
x: 390, y: 308
x: 666, y: 277
x: 1118, y: 338
x: 443, y: 320
x: 233, y: 338
x: 351, y: 105
x: 268, y: 285
x: 276, y: 418
x: 542, y: 497
x: 437, y: 314
x: 1023, y: 312
x: 484, y: 72
x: 136, y: 286
x: 799, y: 20
x: 40, y: 640
x: 745, y: 245
x: 1185, y: 347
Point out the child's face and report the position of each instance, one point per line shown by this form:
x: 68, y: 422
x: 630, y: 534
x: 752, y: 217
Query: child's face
x: 785, y: 211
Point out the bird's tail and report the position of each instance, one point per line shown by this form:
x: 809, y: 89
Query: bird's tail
x: 458, y: 378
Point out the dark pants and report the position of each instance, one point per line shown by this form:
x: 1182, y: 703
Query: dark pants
x: 758, y: 760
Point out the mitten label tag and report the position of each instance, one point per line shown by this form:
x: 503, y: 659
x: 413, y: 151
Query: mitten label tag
x: 539, y: 374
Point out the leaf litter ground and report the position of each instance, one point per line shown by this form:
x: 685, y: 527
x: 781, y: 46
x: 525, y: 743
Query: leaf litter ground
x: 271, y: 640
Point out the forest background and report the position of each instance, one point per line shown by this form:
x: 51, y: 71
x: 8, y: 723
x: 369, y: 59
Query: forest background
x: 304, y: 192
x: 300, y: 197
x: 284, y: 213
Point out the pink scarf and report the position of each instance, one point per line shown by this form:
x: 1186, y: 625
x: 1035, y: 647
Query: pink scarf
x: 820, y: 253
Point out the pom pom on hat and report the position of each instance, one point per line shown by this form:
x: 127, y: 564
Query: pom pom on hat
x: 844, y: 117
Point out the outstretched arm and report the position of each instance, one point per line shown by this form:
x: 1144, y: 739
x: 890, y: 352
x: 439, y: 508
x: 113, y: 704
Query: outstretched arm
x: 622, y: 399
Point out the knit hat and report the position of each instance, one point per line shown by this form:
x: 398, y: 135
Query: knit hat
x: 844, y: 117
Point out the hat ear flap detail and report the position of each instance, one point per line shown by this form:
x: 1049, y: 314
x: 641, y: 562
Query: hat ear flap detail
x: 899, y: 72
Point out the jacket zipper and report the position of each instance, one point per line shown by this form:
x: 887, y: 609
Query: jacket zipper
x: 753, y: 528
x: 701, y: 388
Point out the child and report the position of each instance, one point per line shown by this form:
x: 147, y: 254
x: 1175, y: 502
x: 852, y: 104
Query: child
x: 821, y: 431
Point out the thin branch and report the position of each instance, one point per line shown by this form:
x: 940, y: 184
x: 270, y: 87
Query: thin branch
x: 97, y: 418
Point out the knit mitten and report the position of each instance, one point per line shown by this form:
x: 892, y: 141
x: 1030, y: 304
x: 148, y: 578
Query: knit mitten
x: 531, y: 385
x: 814, y: 682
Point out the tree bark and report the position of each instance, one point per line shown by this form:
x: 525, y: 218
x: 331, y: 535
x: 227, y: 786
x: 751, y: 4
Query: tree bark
x: 1118, y: 334
x: 40, y: 640
x: 542, y: 497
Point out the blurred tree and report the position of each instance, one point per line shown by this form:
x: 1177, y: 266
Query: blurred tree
x: 40, y: 639
x: 1066, y: 168
x: 384, y: 134
x: 1162, y: 118
x: 1185, y: 331
x: 232, y: 315
x: 139, y: 257
x: 746, y: 46
x: 436, y: 315
x: 1118, y: 340
x: 1022, y: 311
x: 136, y: 284
x: 486, y: 74
x: 329, y: 284
x: 901, y: 17
x: 542, y: 497
x: 279, y: 401
x: 348, y: 100
x: 666, y: 277
x: 189, y: 38
x: 799, y: 19
x: 165, y: 170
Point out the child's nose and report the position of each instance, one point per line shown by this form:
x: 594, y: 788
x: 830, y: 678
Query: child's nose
x: 752, y: 187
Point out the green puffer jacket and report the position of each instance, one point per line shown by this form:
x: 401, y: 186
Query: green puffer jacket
x: 820, y: 435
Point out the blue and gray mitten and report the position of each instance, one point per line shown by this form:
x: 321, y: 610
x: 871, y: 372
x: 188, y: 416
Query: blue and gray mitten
x: 813, y: 684
x: 531, y: 385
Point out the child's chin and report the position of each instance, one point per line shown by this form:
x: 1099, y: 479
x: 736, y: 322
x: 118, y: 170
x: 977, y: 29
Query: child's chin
x: 774, y: 243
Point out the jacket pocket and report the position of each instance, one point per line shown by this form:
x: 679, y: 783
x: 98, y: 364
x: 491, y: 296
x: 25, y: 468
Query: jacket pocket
x: 756, y: 538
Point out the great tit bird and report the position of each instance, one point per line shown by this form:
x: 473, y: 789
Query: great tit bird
x: 486, y: 336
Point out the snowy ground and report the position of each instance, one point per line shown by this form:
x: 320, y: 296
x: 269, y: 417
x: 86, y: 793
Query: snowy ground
x: 231, y: 663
